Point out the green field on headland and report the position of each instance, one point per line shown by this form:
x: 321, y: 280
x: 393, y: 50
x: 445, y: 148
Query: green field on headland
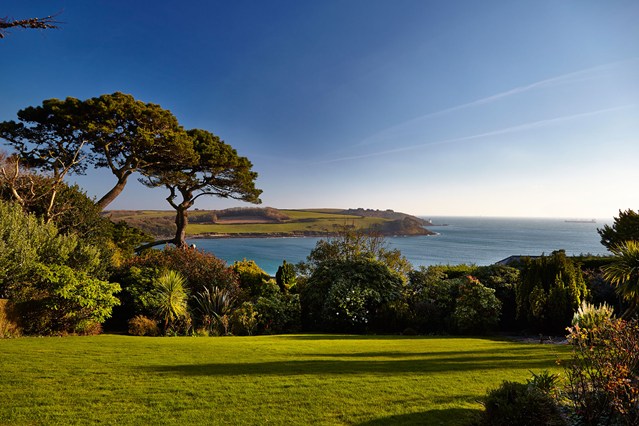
x: 273, y: 222
x: 287, y: 379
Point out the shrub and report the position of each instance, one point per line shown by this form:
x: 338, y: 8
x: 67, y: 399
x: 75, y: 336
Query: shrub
x: 590, y: 317
x: 522, y: 405
x: 280, y: 313
x: 170, y: 298
x: 285, y: 277
x: 140, y: 325
x: 551, y: 289
x: 8, y: 320
x: 88, y: 328
x: 212, y: 304
x: 477, y: 308
x: 349, y: 294
x: 253, y: 279
x: 432, y: 300
x: 52, y: 279
x: 198, y: 268
x: 603, y: 374
x: 244, y: 319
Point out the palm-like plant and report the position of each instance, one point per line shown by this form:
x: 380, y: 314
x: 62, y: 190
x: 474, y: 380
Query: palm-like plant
x: 623, y: 272
x: 170, y: 297
x: 214, y: 303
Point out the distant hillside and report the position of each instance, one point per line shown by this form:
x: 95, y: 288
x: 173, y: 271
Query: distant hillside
x: 271, y: 222
x: 386, y: 214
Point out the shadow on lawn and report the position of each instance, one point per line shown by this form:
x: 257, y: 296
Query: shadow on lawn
x: 431, y: 363
x: 525, y: 352
x: 430, y: 417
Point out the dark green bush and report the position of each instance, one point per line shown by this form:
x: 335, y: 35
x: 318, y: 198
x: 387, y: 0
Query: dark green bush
x: 477, y: 308
x: 551, y: 289
x: 349, y: 295
x: 280, y: 313
x: 520, y: 404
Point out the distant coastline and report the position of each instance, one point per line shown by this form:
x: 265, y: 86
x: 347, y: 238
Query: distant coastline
x: 275, y: 223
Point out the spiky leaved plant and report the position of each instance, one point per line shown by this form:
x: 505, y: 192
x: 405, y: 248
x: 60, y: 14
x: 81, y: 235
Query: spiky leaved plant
x: 170, y: 297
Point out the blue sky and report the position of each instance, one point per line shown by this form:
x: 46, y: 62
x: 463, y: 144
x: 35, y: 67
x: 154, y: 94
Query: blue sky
x: 493, y: 108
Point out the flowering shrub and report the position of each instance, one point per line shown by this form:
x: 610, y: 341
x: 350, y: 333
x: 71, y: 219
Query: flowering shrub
x: 590, y: 316
x: 603, y: 375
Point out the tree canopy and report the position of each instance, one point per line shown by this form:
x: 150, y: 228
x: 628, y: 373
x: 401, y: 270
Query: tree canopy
x: 114, y: 131
x: 127, y: 135
x: 212, y: 168
x: 625, y: 228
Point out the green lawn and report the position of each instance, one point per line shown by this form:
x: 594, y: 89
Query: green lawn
x: 297, y: 379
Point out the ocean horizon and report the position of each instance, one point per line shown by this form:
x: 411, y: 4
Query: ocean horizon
x: 459, y: 240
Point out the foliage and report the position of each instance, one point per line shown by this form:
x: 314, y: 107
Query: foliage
x: 73, y: 211
x: 244, y: 319
x: 201, y: 270
x: 214, y: 304
x: 280, y: 313
x: 285, y: 277
x: 625, y: 228
x: 8, y: 320
x: 253, y: 279
x: 211, y: 168
x: 349, y: 294
x: 522, y: 404
x: 170, y: 298
x: 113, y: 131
x: 623, y: 272
x: 477, y: 308
x: 603, y: 374
x: 352, y: 244
x: 198, y: 267
x: 551, y: 289
x: 127, y: 135
x: 432, y: 300
x: 53, y: 279
x: 48, y: 138
x: 140, y: 325
x: 440, y: 304
x: 590, y: 316
x: 504, y: 280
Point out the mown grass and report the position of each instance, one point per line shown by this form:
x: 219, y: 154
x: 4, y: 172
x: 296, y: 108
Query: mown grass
x: 297, y: 379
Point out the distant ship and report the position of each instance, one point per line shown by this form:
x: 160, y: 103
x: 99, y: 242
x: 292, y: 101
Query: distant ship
x: 581, y: 221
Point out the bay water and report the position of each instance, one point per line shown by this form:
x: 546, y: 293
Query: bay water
x: 470, y: 240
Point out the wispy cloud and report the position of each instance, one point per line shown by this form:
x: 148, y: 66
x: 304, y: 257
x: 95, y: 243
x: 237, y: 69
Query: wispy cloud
x: 513, y: 129
x: 568, y: 78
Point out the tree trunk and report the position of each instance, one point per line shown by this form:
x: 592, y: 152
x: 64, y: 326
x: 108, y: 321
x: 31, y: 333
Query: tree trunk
x: 114, y: 192
x: 181, y: 221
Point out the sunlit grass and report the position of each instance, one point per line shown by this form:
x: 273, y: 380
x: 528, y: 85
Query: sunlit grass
x: 300, y: 379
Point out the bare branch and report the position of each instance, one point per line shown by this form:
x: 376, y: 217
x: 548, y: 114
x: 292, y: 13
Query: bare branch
x: 48, y: 22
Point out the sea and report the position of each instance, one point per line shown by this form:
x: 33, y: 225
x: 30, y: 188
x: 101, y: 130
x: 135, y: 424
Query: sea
x: 459, y: 240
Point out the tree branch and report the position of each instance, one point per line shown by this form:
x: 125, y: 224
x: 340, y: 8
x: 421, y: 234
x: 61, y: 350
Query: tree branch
x: 34, y: 23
